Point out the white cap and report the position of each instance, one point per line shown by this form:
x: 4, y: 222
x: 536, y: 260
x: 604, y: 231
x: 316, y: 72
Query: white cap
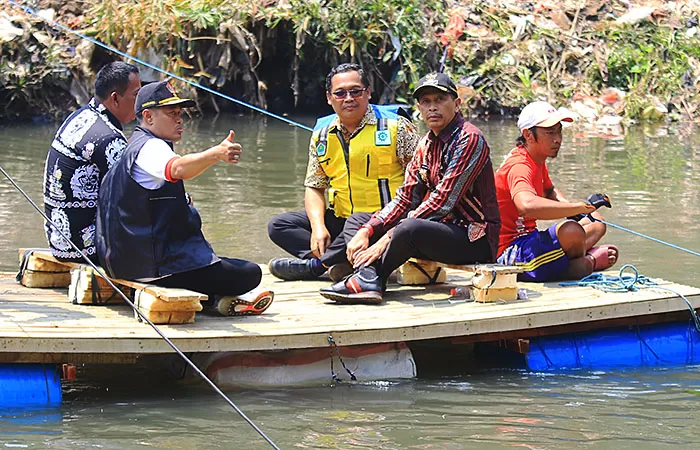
x: 542, y: 114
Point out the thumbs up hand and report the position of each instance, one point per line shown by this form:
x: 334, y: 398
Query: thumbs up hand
x: 230, y: 151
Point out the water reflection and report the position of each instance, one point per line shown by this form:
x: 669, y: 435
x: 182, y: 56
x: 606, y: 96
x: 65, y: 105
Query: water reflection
x: 492, y: 409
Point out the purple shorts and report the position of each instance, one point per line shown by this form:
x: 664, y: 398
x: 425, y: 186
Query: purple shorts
x: 540, y: 253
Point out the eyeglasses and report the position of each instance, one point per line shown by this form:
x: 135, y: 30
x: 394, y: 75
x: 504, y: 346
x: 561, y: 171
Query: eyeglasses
x: 341, y: 94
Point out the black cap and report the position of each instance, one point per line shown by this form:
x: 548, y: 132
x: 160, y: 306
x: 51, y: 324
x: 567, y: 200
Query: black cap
x: 438, y: 81
x: 159, y: 94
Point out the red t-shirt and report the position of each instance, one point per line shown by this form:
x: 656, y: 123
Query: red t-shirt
x: 518, y: 173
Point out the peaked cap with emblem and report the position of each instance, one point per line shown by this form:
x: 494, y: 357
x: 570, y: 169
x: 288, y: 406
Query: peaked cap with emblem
x: 437, y: 80
x: 159, y: 94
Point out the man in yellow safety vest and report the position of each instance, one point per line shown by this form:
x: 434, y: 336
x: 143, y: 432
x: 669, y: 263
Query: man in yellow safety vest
x: 357, y: 158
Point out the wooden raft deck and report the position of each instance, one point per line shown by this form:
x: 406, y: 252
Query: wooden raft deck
x: 41, y: 325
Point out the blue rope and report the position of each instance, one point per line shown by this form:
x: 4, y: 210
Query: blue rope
x: 644, y: 236
x: 620, y: 283
x: 30, y: 11
x: 629, y: 283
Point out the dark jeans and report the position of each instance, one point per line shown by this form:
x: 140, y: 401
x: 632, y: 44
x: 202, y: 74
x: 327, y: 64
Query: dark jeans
x: 229, y: 276
x: 292, y: 232
x: 423, y: 239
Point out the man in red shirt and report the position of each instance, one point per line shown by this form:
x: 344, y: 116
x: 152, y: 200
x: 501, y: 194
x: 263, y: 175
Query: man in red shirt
x: 446, y: 209
x: 526, y: 193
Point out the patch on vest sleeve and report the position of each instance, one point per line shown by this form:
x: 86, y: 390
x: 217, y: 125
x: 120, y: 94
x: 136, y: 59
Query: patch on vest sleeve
x: 321, y: 149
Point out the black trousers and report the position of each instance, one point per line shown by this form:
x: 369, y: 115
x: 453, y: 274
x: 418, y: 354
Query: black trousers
x: 292, y: 232
x: 229, y: 276
x: 423, y: 239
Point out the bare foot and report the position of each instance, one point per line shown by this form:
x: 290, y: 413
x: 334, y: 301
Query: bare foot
x: 603, y: 256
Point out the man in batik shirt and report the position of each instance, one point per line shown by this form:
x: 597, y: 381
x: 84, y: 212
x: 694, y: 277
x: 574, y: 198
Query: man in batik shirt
x: 86, y: 145
x: 445, y: 211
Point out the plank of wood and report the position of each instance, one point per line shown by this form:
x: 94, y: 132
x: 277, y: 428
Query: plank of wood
x: 507, y: 294
x: 42, y: 265
x: 164, y: 294
x: 494, y: 280
x: 149, y: 303
x: 170, y: 317
x: 498, y: 268
x: 43, y: 279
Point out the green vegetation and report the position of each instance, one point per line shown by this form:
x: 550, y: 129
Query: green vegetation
x: 384, y: 36
x: 503, y: 53
x: 35, y: 71
x: 379, y: 34
x: 651, y: 63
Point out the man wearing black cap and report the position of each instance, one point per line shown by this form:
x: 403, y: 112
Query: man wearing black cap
x: 148, y: 229
x: 86, y: 145
x: 445, y: 211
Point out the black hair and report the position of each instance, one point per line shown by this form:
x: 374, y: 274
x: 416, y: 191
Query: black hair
x: 113, y: 77
x: 521, y: 139
x: 346, y: 67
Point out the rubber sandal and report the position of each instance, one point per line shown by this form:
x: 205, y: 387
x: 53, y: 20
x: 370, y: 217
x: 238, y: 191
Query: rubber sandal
x: 251, y: 303
x: 601, y: 260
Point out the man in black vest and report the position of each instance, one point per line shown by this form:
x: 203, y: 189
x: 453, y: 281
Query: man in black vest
x: 148, y: 230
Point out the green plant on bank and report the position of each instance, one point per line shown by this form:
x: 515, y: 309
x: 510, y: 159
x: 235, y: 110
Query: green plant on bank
x: 370, y: 32
x: 374, y: 33
x: 34, y: 70
x: 165, y: 26
x: 650, y: 62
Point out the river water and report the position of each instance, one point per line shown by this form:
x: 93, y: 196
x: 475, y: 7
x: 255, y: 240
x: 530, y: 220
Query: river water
x: 652, y: 177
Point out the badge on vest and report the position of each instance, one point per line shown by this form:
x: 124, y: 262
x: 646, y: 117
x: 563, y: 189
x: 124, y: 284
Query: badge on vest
x: 321, y: 149
x: 382, y: 138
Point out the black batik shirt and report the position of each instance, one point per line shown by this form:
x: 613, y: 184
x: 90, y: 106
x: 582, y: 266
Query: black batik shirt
x: 86, y: 145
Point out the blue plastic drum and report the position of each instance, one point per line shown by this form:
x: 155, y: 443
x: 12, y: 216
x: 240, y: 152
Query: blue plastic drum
x: 658, y: 345
x: 29, y: 385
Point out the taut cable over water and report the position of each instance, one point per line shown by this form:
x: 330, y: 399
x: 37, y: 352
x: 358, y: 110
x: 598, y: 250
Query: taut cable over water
x: 659, y: 241
x: 32, y: 12
x: 139, y: 313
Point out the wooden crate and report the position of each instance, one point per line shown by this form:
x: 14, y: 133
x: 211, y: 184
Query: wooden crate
x: 413, y: 272
x: 36, y: 272
x: 493, y: 283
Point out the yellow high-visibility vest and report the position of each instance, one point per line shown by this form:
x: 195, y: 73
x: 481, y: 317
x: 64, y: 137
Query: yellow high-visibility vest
x: 365, y: 172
